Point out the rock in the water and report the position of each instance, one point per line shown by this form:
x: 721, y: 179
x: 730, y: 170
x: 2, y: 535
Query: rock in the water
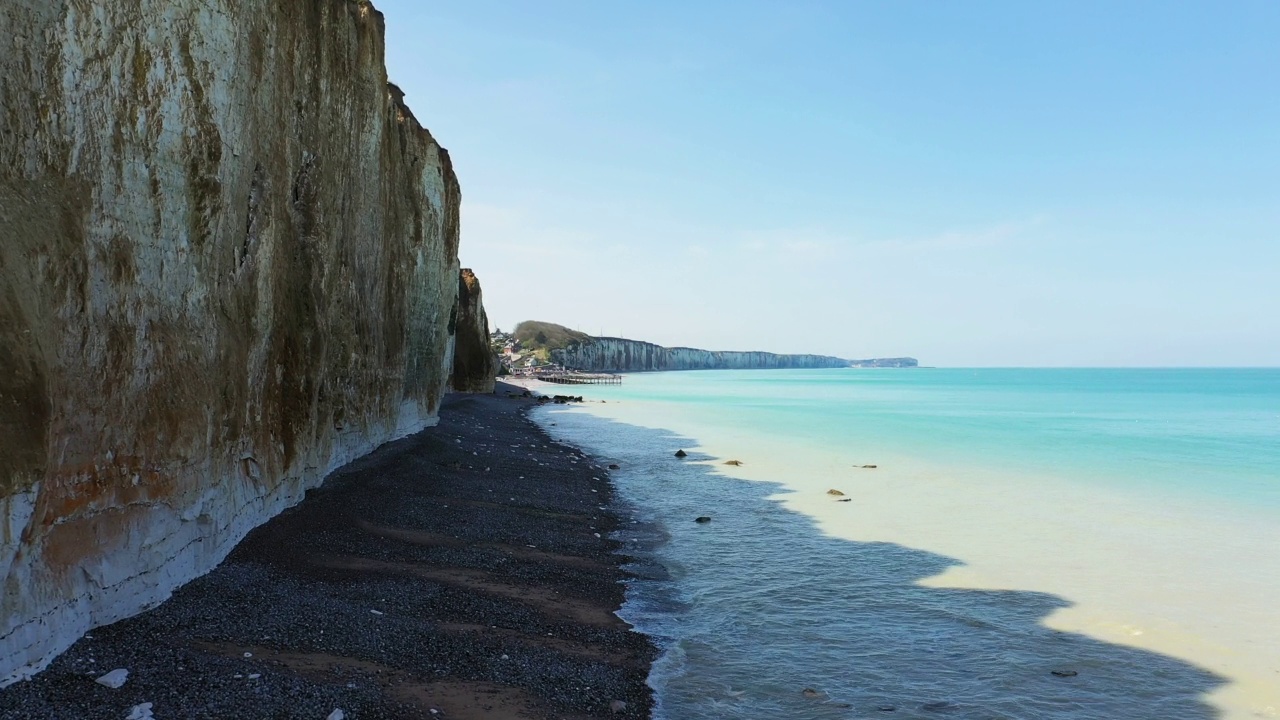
x: 845, y: 500
x: 869, y: 467
x: 733, y: 462
x: 834, y: 492
x: 886, y: 708
x: 810, y: 693
x: 1064, y: 673
x: 614, y: 466
x: 114, y: 679
x: 702, y: 519
x: 681, y: 453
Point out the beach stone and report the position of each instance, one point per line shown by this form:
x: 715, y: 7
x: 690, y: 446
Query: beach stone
x: 1064, y: 673
x: 337, y: 714
x: 681, y: 453
x: 140, y: 712
x: 702, y: 519
x: 618, y: 706
x: 834, y: 492
x: 114, y: 679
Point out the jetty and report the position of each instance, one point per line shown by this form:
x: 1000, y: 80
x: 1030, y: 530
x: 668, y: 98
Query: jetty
x: 580, y: 378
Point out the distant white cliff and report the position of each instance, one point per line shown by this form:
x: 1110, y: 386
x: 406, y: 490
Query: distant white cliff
x: 606, y: 354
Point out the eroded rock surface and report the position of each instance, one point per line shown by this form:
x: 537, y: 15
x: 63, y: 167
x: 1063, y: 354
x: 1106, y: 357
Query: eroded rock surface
x: 474, y: 364
x: 228, y: 260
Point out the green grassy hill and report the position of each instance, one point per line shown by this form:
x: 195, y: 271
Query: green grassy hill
x: 543, y: 337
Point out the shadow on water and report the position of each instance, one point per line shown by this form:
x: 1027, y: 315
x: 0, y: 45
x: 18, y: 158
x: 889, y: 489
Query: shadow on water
x: 759, y: 605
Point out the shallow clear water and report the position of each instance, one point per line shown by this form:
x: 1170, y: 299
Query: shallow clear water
x: 1122, y: 525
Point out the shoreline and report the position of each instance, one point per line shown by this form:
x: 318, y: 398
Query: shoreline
x: 464, y: 572
x: 1118, y: 607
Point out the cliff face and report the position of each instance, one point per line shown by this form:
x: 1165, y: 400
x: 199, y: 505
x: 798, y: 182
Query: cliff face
x: 618, y: 355
x: 474, y: 365
x: 228, y: 258
x: 898, y: 362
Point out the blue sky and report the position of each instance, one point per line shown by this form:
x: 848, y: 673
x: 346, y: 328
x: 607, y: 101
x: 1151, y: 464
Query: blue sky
x: 970, y: 183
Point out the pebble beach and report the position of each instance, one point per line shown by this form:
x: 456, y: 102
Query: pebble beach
x: 463, y: 572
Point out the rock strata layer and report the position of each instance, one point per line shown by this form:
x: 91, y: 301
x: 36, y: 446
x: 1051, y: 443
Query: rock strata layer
x: 228, y: 264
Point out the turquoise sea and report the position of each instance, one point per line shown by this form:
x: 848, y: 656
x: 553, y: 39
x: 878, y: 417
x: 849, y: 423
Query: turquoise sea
x: 1031, y: 543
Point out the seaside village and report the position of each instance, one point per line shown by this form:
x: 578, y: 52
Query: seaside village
x: 516, y: 360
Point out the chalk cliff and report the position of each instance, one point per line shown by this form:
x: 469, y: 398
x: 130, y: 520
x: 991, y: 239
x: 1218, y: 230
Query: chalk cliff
x: 898, y: 362
x: 228, y: 259
x: 606, y: 354
x: 474, y: 364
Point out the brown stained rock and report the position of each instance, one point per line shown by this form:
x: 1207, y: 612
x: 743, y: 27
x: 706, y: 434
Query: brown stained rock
x: 474, y: 364
x: 207, y: 312
x: 834, y: 492
x: 735, y: 463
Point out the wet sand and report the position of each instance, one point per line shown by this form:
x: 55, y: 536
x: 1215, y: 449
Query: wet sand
x: 464, y: 572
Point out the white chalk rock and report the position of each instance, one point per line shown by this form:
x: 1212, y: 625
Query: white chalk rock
x: 336, y: 715
x: 114, y: 679
x: 140, y: 712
